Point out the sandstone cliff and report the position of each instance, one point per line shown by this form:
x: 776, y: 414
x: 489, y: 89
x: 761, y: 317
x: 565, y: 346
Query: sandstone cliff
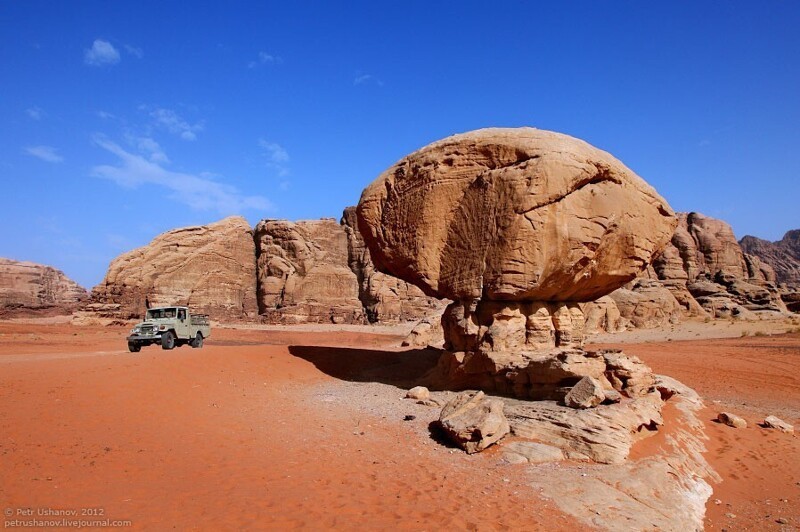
x: 702, y: 272
x: 783, y: 256
x: 26, y: 286
x: 704, y: 262
x: 211, y: 268
x: 304, y: 274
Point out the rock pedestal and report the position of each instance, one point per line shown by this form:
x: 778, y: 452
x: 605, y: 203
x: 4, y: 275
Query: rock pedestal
x: 530, y: 350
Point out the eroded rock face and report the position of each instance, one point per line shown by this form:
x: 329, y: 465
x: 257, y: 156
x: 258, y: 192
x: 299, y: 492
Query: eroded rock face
x: 782, y: 256
x: 513, y: 215
x: 385, y: 298
x: 27, y: 286
x: 304, y: 274
x: 647, y: 304
x: 210, y: 268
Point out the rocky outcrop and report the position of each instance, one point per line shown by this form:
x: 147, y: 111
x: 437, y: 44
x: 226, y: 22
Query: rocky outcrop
x: 517, y: 226
x: 27, y: 286
x: 210, y: 267
x: 304, y: 274
x: 666, y: 489
x: 385, y: 298
x: 782, y: 256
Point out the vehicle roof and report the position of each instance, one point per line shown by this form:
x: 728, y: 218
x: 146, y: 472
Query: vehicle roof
x: 166, y: 307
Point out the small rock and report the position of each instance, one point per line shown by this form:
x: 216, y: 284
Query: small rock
x: 474, y: 421
x: 730, y: 515
x: 732, y: 420
x: 588, y: 393
x: 420, y: 393
x: 409, y: 418
x: 772, y: 422
x: 782, y: 521
x: 612, y: 396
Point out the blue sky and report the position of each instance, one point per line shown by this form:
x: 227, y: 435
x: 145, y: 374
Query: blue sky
x: 120, y: 120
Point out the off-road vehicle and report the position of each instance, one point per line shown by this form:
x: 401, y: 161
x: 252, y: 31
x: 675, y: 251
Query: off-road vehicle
x: 171, y: 327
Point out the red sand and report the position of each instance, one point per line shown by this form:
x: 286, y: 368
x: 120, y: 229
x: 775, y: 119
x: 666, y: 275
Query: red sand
x: 231, y: 437
x: 224, y: 438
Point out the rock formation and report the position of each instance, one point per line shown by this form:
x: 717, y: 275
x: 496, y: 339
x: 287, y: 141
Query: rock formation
x: 704, y: 264
x: 209, y: 267
x: 320, y: 271
x: 385, y: 298
x: 703, y: 272
x: 26, y: 286
x: 304, y: 274
x: 782, y: 256
x: 516, y: 226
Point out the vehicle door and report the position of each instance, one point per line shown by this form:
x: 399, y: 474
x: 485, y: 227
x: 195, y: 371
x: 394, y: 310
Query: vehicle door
x: 183, y: 325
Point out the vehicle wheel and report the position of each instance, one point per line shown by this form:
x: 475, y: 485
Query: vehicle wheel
x: 134, y: 347
x: 168, y: 340
x: 198, y: 341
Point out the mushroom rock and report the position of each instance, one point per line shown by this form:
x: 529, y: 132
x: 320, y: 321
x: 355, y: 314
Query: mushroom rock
x: 516, y: 226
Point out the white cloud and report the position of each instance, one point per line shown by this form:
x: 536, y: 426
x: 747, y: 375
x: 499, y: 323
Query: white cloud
x: 277, y: 156
x: 152, y: 149
x: 101, y: 53
x: 173, y: 123
x: 265, y: 59
x: 134, y: 51
x: 200, y: 193
x: 45, y: 153
x: 367, y: 78
x: 36, y: 113
x: 105, y: 115
x: 275, y: 152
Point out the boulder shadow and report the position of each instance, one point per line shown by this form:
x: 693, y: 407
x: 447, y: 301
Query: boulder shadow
x: 397, y: 368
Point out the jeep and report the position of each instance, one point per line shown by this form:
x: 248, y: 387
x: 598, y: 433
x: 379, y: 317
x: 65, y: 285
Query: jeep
x: 171, y: 327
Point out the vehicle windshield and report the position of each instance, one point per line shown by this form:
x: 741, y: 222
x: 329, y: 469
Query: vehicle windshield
x: 160, y: 313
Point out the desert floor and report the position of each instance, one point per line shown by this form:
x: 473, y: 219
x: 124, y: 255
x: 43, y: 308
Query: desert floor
x: 307, y: 427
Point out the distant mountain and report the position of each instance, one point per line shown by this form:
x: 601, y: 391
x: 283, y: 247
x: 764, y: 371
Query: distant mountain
x: 26, y: 286
x: 783, y: 255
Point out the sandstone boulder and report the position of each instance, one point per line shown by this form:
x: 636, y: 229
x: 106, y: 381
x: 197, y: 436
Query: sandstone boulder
x: 588, y: 393
x: 772, y: 422
x: 420, y: 393
x: 210, y: 267
x: 303, y: 273
x: 474, y: 421
x: 732, y: 420
x: 27, y: 286
x: 514, y: 215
